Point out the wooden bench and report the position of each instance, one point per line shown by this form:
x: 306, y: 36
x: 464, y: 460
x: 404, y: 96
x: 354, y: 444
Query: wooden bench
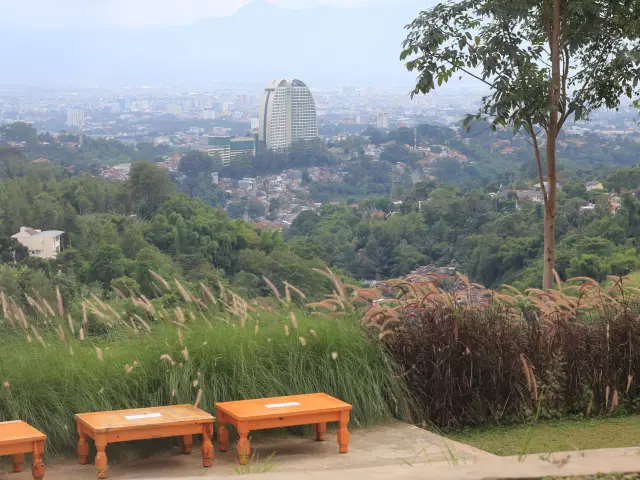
x: 140, y: 424
x: 18, y: 438
x: 262, y: 413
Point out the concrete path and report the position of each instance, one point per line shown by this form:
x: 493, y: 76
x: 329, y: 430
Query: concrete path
x: 395, y: 444
x: 396, y: 450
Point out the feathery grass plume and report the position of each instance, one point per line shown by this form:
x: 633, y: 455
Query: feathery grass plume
x: 6, y: 385
x: 23, y: 319
x: 180, y: 339
x: 296, y: 289
x: 629, y: 382
x: 208, y: 293
x: 614, y: 402
x: 167, y: 358
x: 185, y: 353
x: 60, y: 303
x: 81, y: 334
x: 334, y: 355
x: 525, y: 369
x: 37, y: 335
x: 198, y: 398
x: 385, y: 333
x: 142, y: 322
x: 36, y: 305
x: 161, y: 279
x: 294, y: 320
x: 150, y: 307
x: 60, y: 331
x: 29, y: 338
x: 128, y: 369
x: 313, y: 333
x: 179, y: 315
x: 84, y: 314
x: 70, y: 321
x: 47, y: 306
x: 99, y: 354
x: 6, y: 311
x: 272, y: 287
x: 287, y: 293
x: 119, y: 293
x: 115, y: 314
x: 185, y: 295
x: 534, y: 383
x: 256, y: 328
x: 223, y: 292
x: 286, y: 330
x: 192, y: 316
x: 195, y: 383
x: 303, y: 341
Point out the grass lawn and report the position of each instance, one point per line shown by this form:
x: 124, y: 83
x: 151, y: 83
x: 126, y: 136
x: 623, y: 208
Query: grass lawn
x: 556, y: 436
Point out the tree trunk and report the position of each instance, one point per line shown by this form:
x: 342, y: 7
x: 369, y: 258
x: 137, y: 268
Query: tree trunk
x: 552, y: 133
x: 549, y: 245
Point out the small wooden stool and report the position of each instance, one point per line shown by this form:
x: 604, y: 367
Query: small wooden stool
x: 18, y: 438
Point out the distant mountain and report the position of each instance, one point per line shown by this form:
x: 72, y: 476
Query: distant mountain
x: 322, y: 46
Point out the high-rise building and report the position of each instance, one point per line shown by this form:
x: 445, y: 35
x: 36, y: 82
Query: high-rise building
x: 174, y: 110
x: 75, y: 117
x: 287, y: 114
x: 209, y: 114
x: 383, y: 120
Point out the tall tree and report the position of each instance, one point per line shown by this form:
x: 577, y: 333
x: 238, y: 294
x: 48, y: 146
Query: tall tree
x: 543, y: 62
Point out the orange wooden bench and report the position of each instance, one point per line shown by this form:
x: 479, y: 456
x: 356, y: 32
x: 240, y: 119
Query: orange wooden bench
x: 262, y: 413
x: 18, y: 438
x: 141, y: 424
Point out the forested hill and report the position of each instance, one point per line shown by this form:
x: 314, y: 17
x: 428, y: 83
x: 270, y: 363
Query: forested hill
x: 116, y: 232
x: 493, y: 238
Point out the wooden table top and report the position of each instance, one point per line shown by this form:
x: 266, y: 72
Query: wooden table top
x: 18, y: 431
x: 261, y: 408
x: 118, y: 420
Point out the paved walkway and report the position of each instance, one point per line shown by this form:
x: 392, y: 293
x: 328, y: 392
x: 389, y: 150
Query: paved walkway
x: 396, y: 450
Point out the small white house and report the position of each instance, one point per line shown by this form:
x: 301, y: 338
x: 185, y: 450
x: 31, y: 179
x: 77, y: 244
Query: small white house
x: 41, y: 244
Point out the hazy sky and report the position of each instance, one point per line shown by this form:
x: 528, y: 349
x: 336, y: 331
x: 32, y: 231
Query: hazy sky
x: 135, y: 13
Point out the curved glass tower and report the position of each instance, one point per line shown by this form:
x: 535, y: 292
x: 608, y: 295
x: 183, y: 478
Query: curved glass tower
x: 287, y: 114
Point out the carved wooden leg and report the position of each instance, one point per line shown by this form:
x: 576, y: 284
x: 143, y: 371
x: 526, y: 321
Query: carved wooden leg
x: 207, y: 446
x: 38, y: 466
x: 343, y: 433
x: 187, y: 441
x: 321, y: 429
x: 83, y: 449
x: 223, y: 433
x: 18, y: 462
x: 244, y: 446
x: 101, y: 457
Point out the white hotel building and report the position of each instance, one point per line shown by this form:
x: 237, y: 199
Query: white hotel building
x: 287, y: 114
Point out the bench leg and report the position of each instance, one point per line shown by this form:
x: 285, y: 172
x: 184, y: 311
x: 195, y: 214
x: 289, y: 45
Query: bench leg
x: 343, y: 433
x: 321, y: 429
x: 83, y: 449
x: 38, y: 466
x: 18, y: 462
x: 101, y: 458
x: 244, y: 445
x: 187, y: 441
x: 207, y: 446
x: 223, y: 433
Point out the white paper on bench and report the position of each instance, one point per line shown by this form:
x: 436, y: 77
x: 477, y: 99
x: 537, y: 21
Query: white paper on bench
x: 278, y: 405
x: 143, y: 415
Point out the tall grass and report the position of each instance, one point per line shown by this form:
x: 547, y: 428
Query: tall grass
x: 485, y: 362
x: 215, y: 352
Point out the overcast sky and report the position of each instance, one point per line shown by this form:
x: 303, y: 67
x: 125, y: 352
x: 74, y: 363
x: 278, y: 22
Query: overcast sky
x: 134, y: 13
